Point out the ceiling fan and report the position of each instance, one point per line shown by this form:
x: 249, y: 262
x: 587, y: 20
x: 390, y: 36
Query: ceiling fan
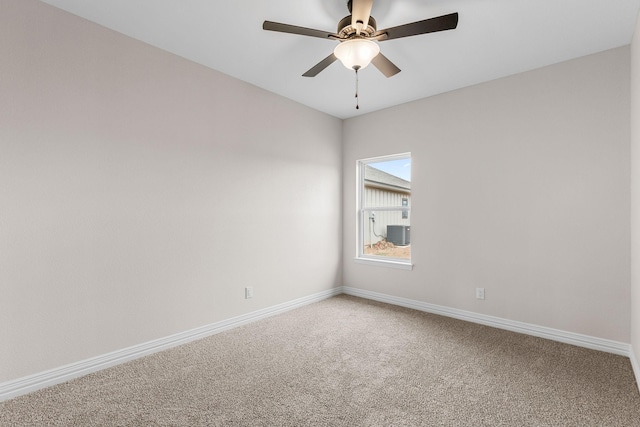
x: 357, y: 34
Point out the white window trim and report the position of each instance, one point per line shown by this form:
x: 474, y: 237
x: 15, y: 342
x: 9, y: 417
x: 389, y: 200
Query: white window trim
x: 373, y: 260
x: 388, y: 262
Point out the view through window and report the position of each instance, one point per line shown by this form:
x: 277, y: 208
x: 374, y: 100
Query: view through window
x: 384, y: 208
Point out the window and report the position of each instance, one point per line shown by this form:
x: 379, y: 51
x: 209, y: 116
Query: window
x: 384, y: 210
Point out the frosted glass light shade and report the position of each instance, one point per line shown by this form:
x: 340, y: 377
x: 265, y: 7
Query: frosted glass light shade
x: 356, y: 53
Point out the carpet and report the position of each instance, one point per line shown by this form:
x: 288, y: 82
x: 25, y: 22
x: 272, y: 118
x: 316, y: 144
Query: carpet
x: 347, y: 361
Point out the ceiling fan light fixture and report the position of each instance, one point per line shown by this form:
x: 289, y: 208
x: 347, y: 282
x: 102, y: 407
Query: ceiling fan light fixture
x: 356, y: 53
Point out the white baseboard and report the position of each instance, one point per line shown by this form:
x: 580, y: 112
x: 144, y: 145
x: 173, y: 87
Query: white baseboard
x: 580, y: 340
x: 636, y: 366
x: 59, y: 375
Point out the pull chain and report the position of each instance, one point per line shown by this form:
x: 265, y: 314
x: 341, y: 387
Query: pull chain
x: 357, y: 100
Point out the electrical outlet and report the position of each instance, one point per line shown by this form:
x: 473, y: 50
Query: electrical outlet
x: 248, y: 292
x: 479, y: 293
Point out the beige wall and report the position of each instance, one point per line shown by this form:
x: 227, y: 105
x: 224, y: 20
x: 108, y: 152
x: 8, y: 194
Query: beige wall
x: 635, y: 198
x: 520, y: 186
x: 137, y: 193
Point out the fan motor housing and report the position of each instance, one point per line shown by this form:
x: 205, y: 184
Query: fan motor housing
x: 345, y: 30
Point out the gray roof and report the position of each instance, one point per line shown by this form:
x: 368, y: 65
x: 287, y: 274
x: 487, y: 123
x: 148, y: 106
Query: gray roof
x: 377, y: 178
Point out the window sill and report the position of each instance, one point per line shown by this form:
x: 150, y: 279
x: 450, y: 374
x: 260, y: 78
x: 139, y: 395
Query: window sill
x: 401, y: 265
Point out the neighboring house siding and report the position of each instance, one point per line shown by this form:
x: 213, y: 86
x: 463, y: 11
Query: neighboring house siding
x: 381, y: 198
x: 385, y: 191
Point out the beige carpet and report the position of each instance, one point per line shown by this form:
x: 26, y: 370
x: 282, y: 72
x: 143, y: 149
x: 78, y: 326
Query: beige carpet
x: 348, y: 362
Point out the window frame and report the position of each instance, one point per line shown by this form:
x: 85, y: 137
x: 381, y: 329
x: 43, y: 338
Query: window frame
x: 362, y: 216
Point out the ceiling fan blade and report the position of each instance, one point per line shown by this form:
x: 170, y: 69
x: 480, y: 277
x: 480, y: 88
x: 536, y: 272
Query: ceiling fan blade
x: 292, y: 29
x: 360, y: 12
x: 315, y: 70
x: 432, y: 25
x: 385, y: 66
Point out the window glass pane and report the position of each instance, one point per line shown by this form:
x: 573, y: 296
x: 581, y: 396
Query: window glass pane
x: 385, y: 208
x: 387, y: 183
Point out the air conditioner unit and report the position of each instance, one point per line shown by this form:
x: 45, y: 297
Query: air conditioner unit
x: 399, y: 235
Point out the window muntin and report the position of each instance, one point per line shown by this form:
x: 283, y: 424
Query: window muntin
x: 384, y: 209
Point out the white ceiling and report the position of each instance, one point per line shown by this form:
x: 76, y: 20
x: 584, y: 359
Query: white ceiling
x: 494, y: 38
